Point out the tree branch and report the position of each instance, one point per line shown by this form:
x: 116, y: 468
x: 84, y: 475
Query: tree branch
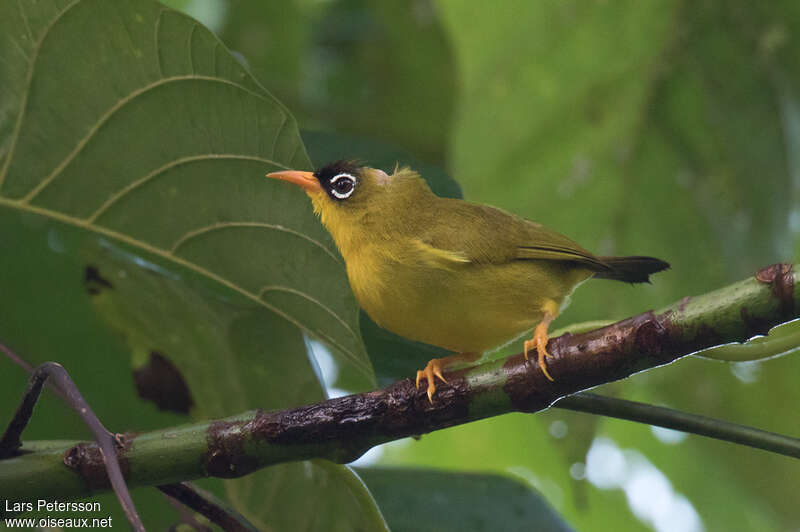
x: 342, y: 429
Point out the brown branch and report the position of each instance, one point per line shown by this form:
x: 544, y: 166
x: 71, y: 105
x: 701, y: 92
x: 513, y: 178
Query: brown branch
x: 342, y: 429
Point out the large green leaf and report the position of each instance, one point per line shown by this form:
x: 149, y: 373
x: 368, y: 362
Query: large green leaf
x: 219, y: 348
x: 418, y: 500
x: 49, y: 316
x: 315, y: 496
x: 134, y: 148
x: 136, y: 160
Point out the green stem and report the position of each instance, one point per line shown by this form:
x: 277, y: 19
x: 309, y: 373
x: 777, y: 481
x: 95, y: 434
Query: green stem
x: 682, y: 421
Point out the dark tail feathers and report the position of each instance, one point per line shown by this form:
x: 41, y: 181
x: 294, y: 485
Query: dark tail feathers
x: 631, y: 269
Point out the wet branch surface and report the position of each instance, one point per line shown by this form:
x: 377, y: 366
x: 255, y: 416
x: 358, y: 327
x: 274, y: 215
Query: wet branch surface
x: 342, y: 429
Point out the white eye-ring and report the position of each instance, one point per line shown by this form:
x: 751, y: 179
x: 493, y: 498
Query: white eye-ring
x: 343, y: 185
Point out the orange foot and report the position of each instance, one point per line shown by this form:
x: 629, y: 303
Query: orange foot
x: 434, y: 369
x: 540, y: 338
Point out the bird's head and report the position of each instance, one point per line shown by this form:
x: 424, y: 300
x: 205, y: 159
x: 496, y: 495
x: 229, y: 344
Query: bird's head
x: 338, y: 185
x: 345, y: 193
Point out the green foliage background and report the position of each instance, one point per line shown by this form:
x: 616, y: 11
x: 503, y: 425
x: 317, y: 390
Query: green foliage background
x: 665, y: 128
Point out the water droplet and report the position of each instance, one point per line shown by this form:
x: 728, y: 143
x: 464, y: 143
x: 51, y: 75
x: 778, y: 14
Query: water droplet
x: 578, y: 471
x: 747, y: 372
x: 54, y: 241
x: 668, y: 436
x: 558, y: 428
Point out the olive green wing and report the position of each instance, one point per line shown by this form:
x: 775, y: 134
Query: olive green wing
x: 545, y: 244
x: 456, y: 233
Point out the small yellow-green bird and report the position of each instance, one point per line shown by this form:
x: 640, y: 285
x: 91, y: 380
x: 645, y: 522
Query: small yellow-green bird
x: 447, y: 272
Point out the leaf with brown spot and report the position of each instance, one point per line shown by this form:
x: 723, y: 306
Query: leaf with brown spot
x: 161, y: 382
x: 132, y: 141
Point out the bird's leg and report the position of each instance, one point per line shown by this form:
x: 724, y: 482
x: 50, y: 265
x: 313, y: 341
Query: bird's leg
x: 540, y: 338
x: 434, y: 369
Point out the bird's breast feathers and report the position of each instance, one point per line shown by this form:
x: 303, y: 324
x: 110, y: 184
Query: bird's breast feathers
x: 441, y: 298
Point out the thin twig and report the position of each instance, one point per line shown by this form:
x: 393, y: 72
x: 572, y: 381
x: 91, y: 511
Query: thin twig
x: 11, y: 440
x: 188, y: 517
x: 24, y: 364
x: 683, y: 421
x: 208, y: 505
x: 16, y: 358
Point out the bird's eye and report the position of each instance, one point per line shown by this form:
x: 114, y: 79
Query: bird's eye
x: 342, y: 185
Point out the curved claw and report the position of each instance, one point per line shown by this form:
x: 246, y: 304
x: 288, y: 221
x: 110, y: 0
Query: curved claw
x: 542, y: 354
x: 432, y: 370
x: 527, y: 347
x: 539, y: 342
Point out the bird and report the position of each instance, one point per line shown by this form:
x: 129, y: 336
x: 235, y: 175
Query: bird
x: 462, y: 276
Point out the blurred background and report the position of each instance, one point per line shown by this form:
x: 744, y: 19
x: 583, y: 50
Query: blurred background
x: 663, y: 128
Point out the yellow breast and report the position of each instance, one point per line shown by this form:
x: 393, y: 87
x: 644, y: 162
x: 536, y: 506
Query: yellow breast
x: 471, y: 308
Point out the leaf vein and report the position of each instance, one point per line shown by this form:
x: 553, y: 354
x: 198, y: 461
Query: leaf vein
x: 77, y: 222
x: 189, y: 42
x: 279, y: 288
x: 167, y: 166
x: 25, y: 20
x: 20, y: 49
x: 230, y: 225
x: 24, y: 102
x: 110, y: 113
x: 278, y: 133
x: 214, y: 55
x: 158, y: 42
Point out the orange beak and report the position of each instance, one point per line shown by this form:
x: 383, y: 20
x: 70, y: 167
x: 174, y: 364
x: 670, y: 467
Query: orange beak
x: 301, y: 179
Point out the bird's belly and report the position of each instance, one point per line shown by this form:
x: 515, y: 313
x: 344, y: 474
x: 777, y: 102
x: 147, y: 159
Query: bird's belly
x: 469, y: 309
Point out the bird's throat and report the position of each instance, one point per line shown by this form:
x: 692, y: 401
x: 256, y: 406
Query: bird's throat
x: 339, y: 224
